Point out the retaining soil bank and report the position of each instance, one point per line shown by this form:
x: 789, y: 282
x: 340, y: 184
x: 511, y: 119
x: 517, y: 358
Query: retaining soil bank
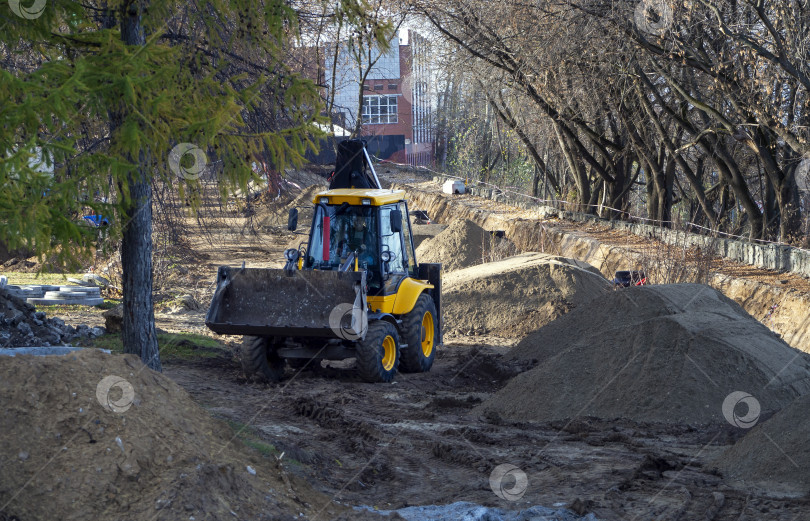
x: 790, y: 317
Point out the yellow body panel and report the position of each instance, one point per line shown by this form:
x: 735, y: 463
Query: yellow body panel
x: 383, y: 304
x: 403, y: 301
x: 409, y: 290
x: 355, y: 196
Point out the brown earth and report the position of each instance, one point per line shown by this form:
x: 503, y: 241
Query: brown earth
x: 516, y: 295
x: 462, y: 244
x: 420, y: 441
x: 774, y: 455
x: 149, y: 452
x: 422, y: 232
x: 661, y: 353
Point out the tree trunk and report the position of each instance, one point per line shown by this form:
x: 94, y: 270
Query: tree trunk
x: 138, y: 328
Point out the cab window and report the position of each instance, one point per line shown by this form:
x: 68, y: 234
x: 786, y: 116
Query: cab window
x: 352, y: 229
x: 406, y: 230
x: 392, y: 241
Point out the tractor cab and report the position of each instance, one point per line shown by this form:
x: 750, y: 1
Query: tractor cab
x: 367, y: 230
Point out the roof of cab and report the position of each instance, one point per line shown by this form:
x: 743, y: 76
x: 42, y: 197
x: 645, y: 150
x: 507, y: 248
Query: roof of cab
x: 355, y: 196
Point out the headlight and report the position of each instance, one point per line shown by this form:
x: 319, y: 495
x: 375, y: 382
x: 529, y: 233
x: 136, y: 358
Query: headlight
x: 385, y: 256
x: 291, y: 254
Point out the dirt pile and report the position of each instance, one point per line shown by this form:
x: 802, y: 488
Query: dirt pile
x: 148, y: 453
x: 423, y: 232
x: 516, y: 295
x: 463, y: 244
x: 668, y: 353
x: 774, y: 455
x: 22, y: 325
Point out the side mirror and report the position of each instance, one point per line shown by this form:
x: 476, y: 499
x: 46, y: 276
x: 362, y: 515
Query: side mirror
x: 292, y: 219
x: 396, y: 221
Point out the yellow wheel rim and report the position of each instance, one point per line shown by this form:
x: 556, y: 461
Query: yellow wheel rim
x: 389, y: 353
x: 427, y: 334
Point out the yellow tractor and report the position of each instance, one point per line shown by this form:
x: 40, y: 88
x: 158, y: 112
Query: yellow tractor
x: 354, y: 290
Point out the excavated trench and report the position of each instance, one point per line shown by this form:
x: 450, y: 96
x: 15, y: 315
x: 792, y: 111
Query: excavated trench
x: 783, y: 308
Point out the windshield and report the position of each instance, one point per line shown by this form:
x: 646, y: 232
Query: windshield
x: 344, y: 229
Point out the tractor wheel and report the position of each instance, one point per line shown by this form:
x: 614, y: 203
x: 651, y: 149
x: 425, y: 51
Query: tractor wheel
x: 259, y: 359
x: 378, y: 354
x: 419, y: 327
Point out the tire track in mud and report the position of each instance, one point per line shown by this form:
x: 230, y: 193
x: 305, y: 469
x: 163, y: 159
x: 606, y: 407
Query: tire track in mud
x: 414, y: 442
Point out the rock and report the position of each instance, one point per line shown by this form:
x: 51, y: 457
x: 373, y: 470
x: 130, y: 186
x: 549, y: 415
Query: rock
x: 51, y: 337
x: 23, y: 455
x: 24, y: 328
x: 113, y: 318
x: 97, y: 332
x: 189, y: 303
x: 92, y: 279
x: 3, y: 281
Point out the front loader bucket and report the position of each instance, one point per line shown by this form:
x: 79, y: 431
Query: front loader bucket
x: 297, y: 303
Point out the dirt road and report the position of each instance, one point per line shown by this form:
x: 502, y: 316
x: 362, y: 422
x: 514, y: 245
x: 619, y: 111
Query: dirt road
x: 414, y: 442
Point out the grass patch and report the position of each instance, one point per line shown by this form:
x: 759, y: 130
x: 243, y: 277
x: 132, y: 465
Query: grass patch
x: 173, y: 346
x: 61, y: 308
x: 250, y: 437
x: 16, y: 278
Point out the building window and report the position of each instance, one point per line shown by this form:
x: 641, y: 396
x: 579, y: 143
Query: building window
x: 379, y: 109
x: 378, y: 87
x: 392, y: 86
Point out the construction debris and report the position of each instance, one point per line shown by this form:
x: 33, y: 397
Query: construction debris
x: 21, y: 325
x: 51, y: 295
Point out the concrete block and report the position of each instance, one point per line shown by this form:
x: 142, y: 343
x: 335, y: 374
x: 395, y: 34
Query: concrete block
x: 45, y: 351
x: 82, y: 301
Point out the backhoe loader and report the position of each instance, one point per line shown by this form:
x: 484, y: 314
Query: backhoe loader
x: 353, y: 290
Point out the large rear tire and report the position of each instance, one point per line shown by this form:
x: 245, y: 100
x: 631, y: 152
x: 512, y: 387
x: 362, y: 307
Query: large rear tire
x: 378, y: 354
x: 259, y: 359
x: 420, y: 332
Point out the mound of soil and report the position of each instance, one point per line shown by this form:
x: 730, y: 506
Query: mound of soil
x: 21, y: 325
x: 774, y: 455
x: 668, y: 353
x: 423, y: 232
x: 149, y: 453
x: 463, y: 244
x: 511, y: 297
